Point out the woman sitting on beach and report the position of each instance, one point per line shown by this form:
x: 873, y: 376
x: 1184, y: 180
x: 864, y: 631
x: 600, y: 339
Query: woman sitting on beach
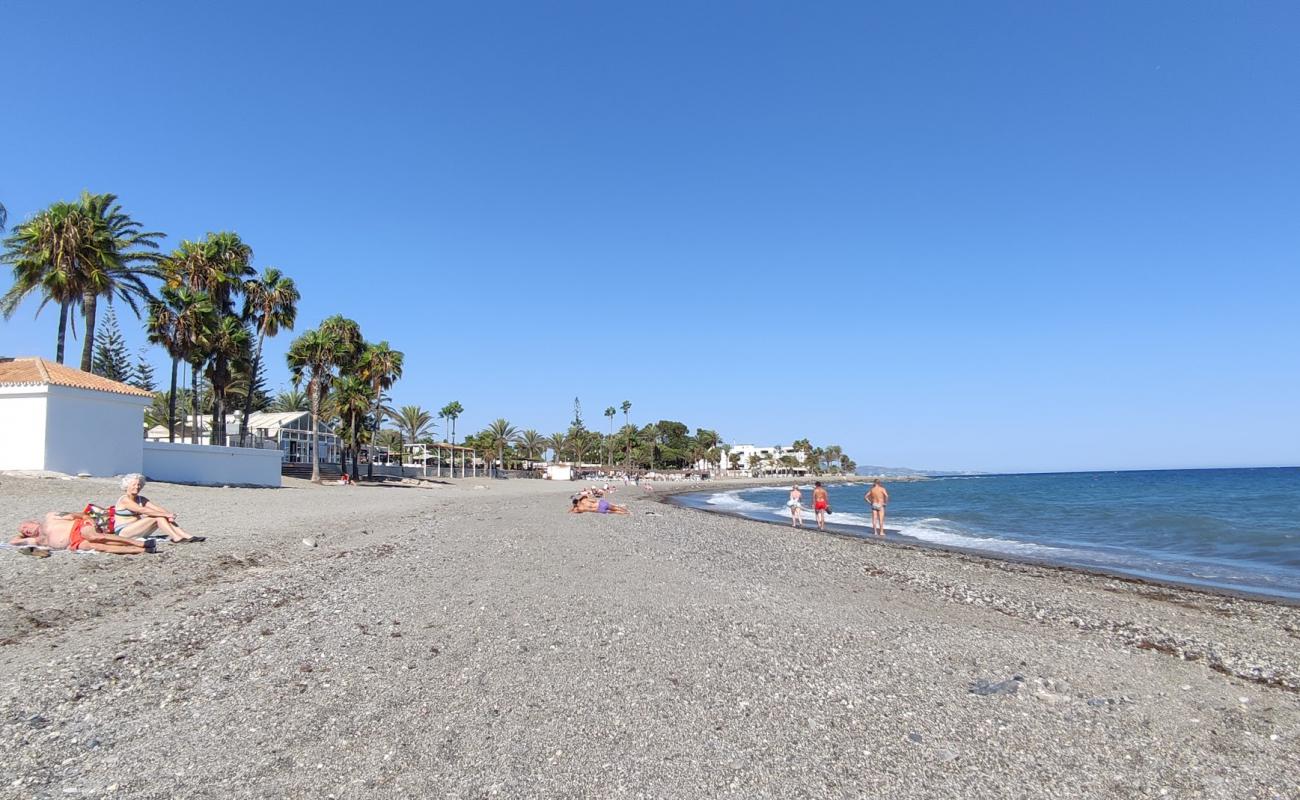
x: 592, y: 505
x: 137, y: 515
x: 69, y: 531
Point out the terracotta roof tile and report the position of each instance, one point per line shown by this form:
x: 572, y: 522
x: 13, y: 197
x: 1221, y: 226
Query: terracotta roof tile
x: 39, y: 372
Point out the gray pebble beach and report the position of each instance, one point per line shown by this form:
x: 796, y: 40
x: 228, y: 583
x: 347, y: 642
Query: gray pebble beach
x: 471, y: 639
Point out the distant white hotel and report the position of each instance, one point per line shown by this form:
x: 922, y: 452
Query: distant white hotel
x: 759, y: 460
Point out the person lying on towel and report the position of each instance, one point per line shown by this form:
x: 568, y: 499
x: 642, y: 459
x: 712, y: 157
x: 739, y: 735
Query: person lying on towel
x: 63, y: 530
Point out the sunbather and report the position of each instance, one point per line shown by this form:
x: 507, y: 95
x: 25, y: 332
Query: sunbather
x: 148, y: 516
x: 592, y: 505
x: 69, y: 531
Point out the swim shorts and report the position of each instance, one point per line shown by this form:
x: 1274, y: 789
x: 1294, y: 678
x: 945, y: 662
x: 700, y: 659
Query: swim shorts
x: 75, y: 538
x: 821, y: 505
x: 602, y: 505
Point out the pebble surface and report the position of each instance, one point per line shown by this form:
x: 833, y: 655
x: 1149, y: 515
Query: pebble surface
x: 458, y: 641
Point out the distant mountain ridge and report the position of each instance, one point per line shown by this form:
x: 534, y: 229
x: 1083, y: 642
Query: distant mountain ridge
x: 905, y: 472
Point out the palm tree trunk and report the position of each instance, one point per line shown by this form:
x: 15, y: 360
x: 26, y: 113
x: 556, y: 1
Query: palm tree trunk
x: 89, y: 303
x: 194, y: 403
x: 374, y: 439
x: 171, y: 405
x: 63, y: 332
x: 217, y: 435
x: 248, y: 396
x: 220, y: 379
x: 315, y: 415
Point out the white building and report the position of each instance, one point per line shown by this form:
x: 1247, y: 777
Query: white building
x: 286, y: 431
x: 768, y: 460
x: 54, y: 417
x: 59, y: 419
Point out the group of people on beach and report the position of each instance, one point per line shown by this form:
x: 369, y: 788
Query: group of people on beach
x: 131, y: 526
x: 877, y: 497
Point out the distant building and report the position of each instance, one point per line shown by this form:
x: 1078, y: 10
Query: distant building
x: 759, y: 460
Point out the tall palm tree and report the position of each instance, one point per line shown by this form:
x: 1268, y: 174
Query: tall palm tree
x: 651, y: 434
x: 609, y: 413
x: 46, y: 252
x: 314, y: 356
x: 532, y: 443
x: 502, y: 435
x: 708, y: 441
x: 122, y: 258
x: 218, y: 265
x: 627, y: 406
x: 228, y: 342
x: 381, y: 367
x: 270, y: 304
x: 450, y: 412
x: 180, y: 321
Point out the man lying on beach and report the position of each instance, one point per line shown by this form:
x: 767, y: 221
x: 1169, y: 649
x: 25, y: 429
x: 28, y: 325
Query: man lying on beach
x: 592, y: 505
x: 69, y: 531
x: 137, y: 515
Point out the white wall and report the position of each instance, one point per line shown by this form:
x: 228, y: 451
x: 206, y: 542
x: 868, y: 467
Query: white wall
x: 99, y: 433
x: 22, y: 427
x: 211, y: 466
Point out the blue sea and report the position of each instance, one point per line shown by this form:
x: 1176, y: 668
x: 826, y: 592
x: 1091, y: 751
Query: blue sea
x: 1233, y: 529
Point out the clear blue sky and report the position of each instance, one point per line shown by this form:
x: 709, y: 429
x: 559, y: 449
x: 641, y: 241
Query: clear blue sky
x: 1007, y: 236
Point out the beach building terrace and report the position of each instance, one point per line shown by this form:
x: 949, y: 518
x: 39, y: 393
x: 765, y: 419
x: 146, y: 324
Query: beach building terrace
x: 286, y: 431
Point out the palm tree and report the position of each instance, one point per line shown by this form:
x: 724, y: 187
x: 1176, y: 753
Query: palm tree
x: 610, y: 412
x: 167, y: 328
x: 218, y: 265
x: 627, y: 406
x: 708, y: 440
x: 292, y: 400
x: 450, y: 412
x: 381, y: 367
x: 270, y: 304
x: 556, y: 443
x: 651, y: 434
x: 532, y: 443
x: 414, y: 422
x: 314, y: 355
x: 181, y: 322
x: 227, y: 348
x: 46, y: 253
x: 502, y: 434
x: 352, y: 402
x: 121, y: 259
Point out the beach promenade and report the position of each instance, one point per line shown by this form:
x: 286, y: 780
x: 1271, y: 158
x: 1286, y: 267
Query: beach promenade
x: 472, y: 639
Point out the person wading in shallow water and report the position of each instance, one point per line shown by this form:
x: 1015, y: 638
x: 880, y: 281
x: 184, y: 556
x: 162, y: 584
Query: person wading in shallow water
x: 795, y: 505
x: 878, y: 498
x: 821, y: 504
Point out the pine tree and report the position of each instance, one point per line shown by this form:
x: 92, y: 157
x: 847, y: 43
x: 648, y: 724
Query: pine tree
x: 261, y: 400
x: 111, y: 359
x: 143, y: 378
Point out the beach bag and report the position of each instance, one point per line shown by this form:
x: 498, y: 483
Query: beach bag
x: 105, y: 519
x: 828, y: 510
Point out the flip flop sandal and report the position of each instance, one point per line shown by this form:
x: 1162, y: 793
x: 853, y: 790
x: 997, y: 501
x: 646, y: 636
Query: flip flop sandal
x: 34, y: 552
x: 151, y: 545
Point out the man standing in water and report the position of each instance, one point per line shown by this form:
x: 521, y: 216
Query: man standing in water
x: 796, y: 507
x: 821, y: 502
x: 878, y: 498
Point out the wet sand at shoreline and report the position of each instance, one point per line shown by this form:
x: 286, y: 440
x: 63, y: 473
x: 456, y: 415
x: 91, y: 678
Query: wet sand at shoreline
x: 468, y: 642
